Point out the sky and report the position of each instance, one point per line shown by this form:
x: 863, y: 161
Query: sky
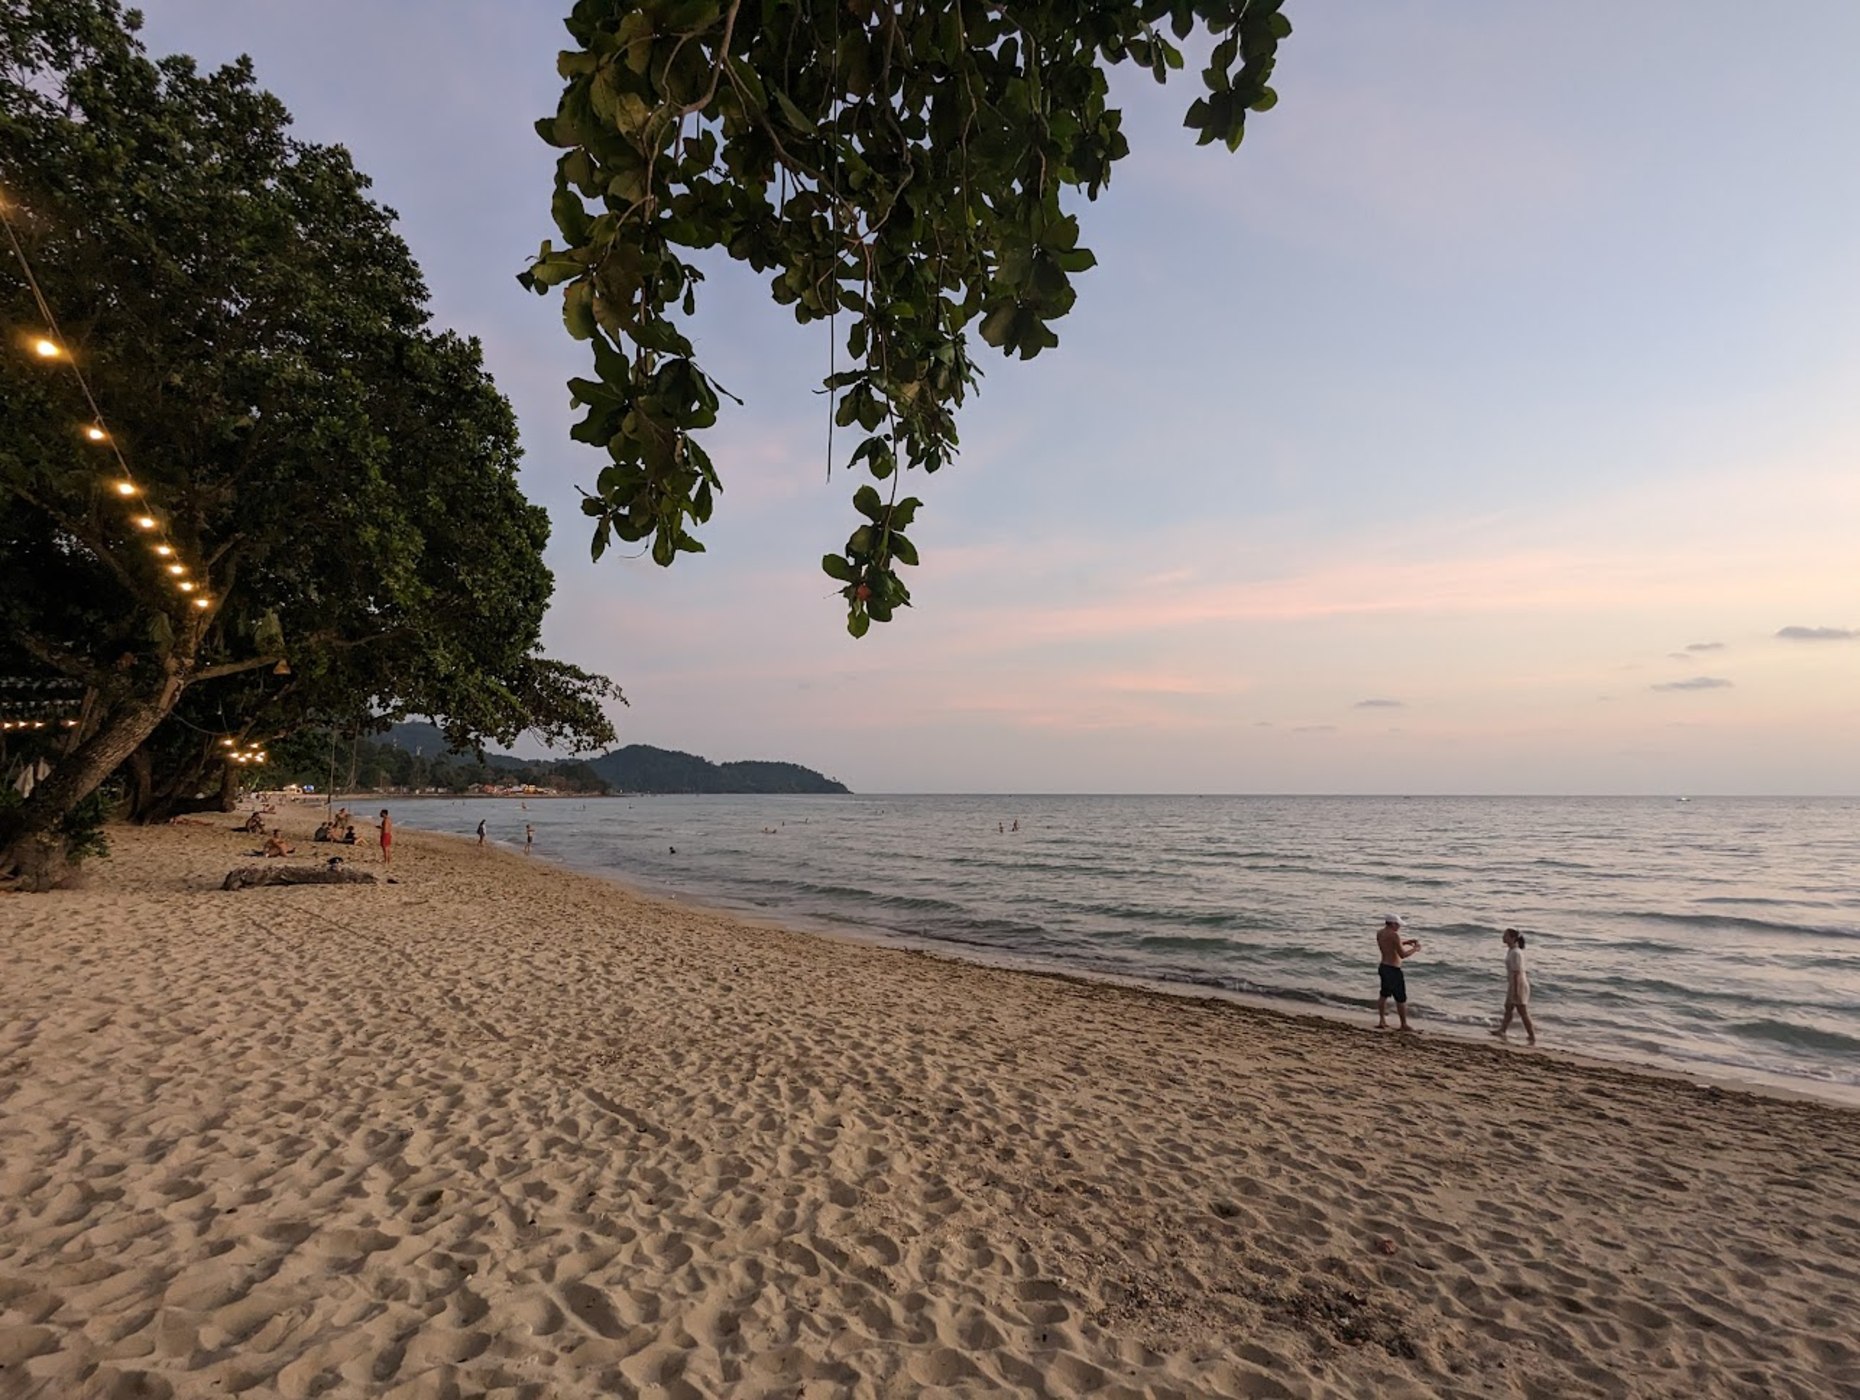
x: 1488, y: 423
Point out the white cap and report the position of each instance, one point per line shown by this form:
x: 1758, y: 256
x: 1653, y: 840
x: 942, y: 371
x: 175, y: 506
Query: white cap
x: 1391, y: 919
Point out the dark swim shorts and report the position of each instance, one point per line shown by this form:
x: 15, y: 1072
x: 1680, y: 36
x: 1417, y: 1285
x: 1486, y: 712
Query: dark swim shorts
x: 1394, y: 982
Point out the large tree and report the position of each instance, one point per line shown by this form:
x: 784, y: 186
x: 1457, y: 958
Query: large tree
x: 909, y: 165
x: 315, y: 506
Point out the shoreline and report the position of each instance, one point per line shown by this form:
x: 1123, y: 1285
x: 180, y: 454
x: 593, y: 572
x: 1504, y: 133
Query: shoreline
x: 1744, y: 1081
x: 507, y: 1124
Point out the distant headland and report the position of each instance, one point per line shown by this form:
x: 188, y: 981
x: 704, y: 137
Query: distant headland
x: 414, y: 756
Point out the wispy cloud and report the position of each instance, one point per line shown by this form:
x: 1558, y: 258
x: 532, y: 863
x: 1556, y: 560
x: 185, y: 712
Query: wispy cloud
x: 1695, y: 683
x: 1315, y: 729
x: 1151, y: 683
x: 1373, y: 704
x: 1818, y: 634
x: 1704, y: 646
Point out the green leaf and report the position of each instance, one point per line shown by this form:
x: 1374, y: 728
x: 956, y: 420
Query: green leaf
x: 999, y: 325
x: 792, y: 114
x: 578, y: 309
x: 570, y: 215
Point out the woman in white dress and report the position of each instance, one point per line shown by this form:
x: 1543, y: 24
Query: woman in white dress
x: 1517, y: 988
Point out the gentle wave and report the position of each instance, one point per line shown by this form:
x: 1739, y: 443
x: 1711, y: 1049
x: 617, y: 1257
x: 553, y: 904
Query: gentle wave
x: 1809, y: 1037
x: 1734, y: 921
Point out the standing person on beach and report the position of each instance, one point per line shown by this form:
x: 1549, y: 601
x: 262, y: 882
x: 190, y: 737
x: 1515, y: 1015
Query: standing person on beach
x: 1393, y: 948
x: 387, y: 838
x: 481, y: 832
x: 1517, y: 988
x: 529, y: 837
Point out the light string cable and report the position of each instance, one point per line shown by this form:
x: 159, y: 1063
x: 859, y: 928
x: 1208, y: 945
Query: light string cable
x: 54, y: 346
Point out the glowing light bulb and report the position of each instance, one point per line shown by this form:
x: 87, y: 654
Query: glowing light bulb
x: 185, y: 587
x: 145, y: 522
x: 46, y: 349
x: 125, y: 488
x: 177, y: 569
x: 164, y: 550
x: 226, y: 743
x: 203, y: 602
x: 95, y: 434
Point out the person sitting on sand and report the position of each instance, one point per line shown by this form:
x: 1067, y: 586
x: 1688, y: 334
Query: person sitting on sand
x: 274, y: 844
x: 254, y: 823
x: 348, y: 837
x: 1393, y: 948
x: 322, y: 833
x: 1517, y: 988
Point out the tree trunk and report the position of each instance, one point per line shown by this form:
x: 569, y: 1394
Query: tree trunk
x: 141, y: 786
x: 179, y: 794
x: 29, y: 835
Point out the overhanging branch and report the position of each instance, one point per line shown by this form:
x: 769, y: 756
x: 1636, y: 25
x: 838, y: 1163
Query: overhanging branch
x: 232, y: 668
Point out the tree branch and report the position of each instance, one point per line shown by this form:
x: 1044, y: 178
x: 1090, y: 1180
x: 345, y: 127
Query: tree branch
x: 62, y: 660
x: 716, y: 69
x: 232, y: 668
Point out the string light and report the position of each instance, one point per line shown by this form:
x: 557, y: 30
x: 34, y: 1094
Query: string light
x: 51, y: 346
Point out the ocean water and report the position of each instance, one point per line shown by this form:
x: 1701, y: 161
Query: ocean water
x: 1718, y: 935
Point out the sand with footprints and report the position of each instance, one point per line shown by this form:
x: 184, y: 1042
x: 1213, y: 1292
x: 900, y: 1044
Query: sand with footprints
x: 502, y: 1129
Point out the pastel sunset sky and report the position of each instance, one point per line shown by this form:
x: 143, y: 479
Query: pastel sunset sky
x: 1490, y: 422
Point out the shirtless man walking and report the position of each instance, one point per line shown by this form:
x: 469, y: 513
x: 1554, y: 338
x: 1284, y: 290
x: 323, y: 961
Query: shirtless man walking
x: 1393, y: 948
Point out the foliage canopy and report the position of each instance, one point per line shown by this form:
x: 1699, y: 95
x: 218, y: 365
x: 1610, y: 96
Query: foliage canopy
x: 335, y: 479
x: 905, y: 164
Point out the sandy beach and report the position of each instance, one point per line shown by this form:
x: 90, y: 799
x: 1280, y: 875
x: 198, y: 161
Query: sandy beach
x: 499, y: 1128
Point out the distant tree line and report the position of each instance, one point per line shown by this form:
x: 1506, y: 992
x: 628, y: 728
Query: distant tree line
x: 376, y: 765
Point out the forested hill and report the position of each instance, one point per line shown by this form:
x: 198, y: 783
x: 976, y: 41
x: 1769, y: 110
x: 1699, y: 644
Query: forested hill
x: 642, y: 768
